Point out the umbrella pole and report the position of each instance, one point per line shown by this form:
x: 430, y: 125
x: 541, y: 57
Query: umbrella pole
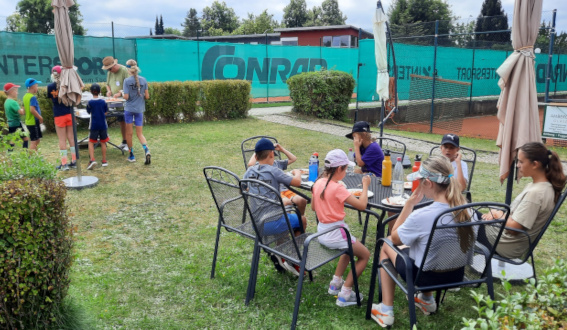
x: 74, y: 123
x: 510, y: 183
x: 79, y: 182
x: 382, y: 119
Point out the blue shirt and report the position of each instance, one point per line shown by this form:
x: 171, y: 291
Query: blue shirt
x: 372, y: 156
x: 97, y: 108
x: 59, y: 109
x: 272, y: 176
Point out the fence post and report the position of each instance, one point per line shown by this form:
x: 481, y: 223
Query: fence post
x: 434, y: 75
x: 198, y: 57
x: 550, y: 56
x: 268, y: 81
x: 113, y: 48
x: 557, y: 72
x: 472, y: 75
x: 357, y: 76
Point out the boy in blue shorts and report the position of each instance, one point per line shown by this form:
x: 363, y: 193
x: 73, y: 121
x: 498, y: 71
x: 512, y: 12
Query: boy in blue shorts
x: 265, y: 171
x: 33, y: 113
x: 98, y: 127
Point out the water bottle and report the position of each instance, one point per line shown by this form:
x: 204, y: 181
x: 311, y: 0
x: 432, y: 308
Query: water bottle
x: 398, y: 179
x: 386, y: 169
x: 351, y: 157
x: 313, y: 167
x: 416, y: 166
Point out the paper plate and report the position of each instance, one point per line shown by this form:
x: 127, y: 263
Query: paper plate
x: 394, y: 201
x: 352, y: 191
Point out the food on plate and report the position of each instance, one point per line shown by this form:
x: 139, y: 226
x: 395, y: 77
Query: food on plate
x: 407, y: 185
x: 395, y: 201
x: 304, y: 172
x: 357, y: 193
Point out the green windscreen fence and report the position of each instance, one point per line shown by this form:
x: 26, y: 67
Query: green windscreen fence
x: 25, y: 55
x: 266, y: 67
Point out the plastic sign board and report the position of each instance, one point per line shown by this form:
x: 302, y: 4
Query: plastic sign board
x: 555, y: 121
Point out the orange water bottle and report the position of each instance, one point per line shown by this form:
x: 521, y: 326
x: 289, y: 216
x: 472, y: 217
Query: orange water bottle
x: 387, y: 169
x: 415, y: 168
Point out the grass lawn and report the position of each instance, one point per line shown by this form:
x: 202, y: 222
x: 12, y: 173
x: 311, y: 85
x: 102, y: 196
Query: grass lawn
x: 145, y: 240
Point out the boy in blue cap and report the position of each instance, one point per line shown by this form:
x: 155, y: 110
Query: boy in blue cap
x: 33, y: 113
x: 272, y: 175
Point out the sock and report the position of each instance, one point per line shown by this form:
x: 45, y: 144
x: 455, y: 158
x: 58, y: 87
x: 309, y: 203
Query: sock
x: 73, y: 154
x: 385, y: 308
x: 345, y: 291
x: 124, y: 142
x: 132, y: 151
x: 337, y: 279
x: 25, y: 144
x: 427, y: 298
x: 63, y: 154
x: 145, y: 146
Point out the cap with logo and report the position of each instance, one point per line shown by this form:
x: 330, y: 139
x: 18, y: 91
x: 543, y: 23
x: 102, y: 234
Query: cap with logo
x: 359, y: 126
x: 451, y: 139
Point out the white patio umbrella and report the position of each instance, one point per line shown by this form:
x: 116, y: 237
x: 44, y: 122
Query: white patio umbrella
x: 381, y: 52
x: 517, y: 105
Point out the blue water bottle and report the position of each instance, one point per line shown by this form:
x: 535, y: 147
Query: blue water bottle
x: 314, y: 167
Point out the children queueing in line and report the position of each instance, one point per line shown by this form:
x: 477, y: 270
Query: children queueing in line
x: 450, y: 148
x: 98, y: 127
x: 329, y: 198
x: 63, y: 121
x: 33, y: 113
x: 265, y: 171
x: 413, y: 228
x: 14, y: 111
x: 282, y: 164
x: 369, y: 155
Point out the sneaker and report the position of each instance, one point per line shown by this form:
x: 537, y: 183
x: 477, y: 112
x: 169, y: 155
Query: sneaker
x: 123, y: 146
x: 383, y: 319
x: 148, y: 157
x: 62, y: 167
x: 426, y: 307
x: 104, y: 164
x: 73, y: 164
x: 335, y: 287
x: 343, y: 301
x: 131, y: 158
x: 294, y: 269
x: 278, y: 263
x: 91, y: 165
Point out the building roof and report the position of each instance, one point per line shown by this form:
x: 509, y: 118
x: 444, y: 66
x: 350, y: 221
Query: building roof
x: 237, y: 36
x: 159, y: 36
x: 321, y: 28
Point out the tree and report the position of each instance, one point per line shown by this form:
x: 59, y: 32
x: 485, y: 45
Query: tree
x: 191, y: 24
x: 219, y: 17
x: 295, y: 14
x: 161, y: 29
x: 463, y: 34
x: 169, y: 30
x: 36, y: 16
x: 331, y: 14
x: 492, y: 18
x: 314, y: 17
x: 156, y: 27
x: 257, y: 24
x: 405, y: 14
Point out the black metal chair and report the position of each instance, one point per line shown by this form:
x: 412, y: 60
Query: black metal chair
x: 225, y: 189
x: 469, y: 157
x: 397, y: 148
x: 247, y: 148
x: 266, y: 207
x: 445, y: 253
x: 533, y: 242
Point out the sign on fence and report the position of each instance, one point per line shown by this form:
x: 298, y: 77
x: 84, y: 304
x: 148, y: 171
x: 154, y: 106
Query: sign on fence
x: 555, y: 121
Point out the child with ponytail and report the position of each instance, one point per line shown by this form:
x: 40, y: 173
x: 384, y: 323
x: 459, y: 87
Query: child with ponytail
x: 413, y: 228
x: 533, y: 206
x: 329, y: 198
x: 135, y: 93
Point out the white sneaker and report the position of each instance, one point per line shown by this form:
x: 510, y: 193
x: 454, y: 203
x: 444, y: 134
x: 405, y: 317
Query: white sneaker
x: 383, y: 319
x: 335, y: 287
x: 124, y: 147
x: 343, y: 301
x: 289, y: 267
x: 426, y: 307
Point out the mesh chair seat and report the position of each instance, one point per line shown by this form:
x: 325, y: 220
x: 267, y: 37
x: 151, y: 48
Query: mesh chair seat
x: 317, y: 254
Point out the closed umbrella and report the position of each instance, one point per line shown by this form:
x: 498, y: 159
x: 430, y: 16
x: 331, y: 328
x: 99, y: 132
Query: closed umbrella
x: 70, y: 84
x: 381, y: 52
x: 517, y: 104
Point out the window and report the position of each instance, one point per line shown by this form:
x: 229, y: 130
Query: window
x: 336, y: 41
x: 327, y: 41
x: 254, y: 42
x: 345, y: 41
x: 354, y: 42
x: 289, y: 41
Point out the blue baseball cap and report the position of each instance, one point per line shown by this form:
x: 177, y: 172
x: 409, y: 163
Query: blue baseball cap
x: 31, y: 81
x: 264, y: 144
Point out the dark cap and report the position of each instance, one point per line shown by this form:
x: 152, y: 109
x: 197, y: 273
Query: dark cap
x: 264, y: 144
x: 451, y: 139
x: 95, y: 88
x: 359, y: 126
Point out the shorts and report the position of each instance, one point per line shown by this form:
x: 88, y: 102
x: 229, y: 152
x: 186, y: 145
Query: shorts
x: 35, y: 131
x: 120, y: 118
x: 279, y: 226
x: 98, y: 134
x: 63, y: 121
x: 335, y: 239
x: 134, y: 117
x: 15, y: 128
x: 428, y: 277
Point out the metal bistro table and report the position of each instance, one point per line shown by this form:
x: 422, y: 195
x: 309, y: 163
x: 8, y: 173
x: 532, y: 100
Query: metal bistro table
x: 115, y: 110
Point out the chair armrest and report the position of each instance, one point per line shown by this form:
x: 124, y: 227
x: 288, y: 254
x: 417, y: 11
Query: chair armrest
x: 328, y: 230
x: 405, y: 257
x: 221, y: 208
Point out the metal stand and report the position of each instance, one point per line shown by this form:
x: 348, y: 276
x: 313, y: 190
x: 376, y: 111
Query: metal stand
x: 79, y: 182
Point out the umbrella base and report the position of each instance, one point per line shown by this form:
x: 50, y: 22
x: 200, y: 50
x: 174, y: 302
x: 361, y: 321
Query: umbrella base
x: 81, y: 182
x: 515, y: 274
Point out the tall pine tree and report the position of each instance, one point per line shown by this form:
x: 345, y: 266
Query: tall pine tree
x: 492, y: 18
x: 156, y: 27
x: 161, y: 28
x: 191, y: 24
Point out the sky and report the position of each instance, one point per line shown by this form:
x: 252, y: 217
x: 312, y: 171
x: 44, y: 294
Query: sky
x: 135, y: 17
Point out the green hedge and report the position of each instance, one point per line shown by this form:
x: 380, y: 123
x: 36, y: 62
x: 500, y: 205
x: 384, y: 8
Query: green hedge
x: 35, y: 243
x: 172, y: 102
x: 324, y: 94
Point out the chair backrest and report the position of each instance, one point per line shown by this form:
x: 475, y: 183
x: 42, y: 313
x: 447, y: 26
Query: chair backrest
x: 462, y: 247
x: 468, y: 156
x: 225, y: 189
x: 397, y: 148
x: 269, y: 217
x: 247, y: 148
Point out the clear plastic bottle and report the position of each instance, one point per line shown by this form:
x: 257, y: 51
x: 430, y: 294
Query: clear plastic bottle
x: 351, y: 156
x: 313, y: 167
x: 398, y: 179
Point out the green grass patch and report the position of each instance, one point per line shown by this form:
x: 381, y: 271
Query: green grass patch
x: 145, y: 239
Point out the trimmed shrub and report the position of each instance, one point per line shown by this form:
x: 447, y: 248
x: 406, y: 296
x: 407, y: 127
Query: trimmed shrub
x: 225, y: 99
x: 169, y: 100
x: 3, y: 98
x: 46, y: 107
x: 323, y: 94
x: 35, y: 243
